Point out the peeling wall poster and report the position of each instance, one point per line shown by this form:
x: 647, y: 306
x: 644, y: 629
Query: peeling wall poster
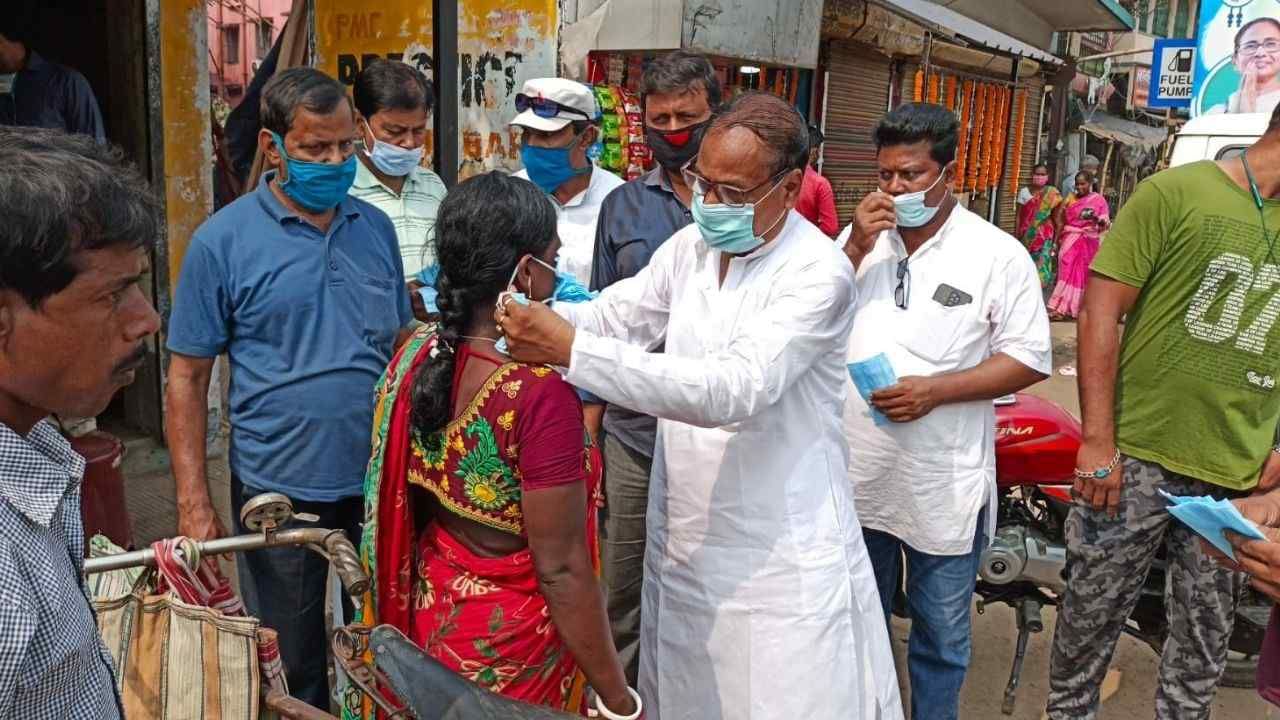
x: 501, y: 43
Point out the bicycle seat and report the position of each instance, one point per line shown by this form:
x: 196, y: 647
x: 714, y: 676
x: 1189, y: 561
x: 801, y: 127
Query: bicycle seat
x: 434, y: 692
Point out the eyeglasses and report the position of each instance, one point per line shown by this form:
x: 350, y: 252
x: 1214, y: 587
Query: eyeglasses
x: 726, y: 194
x: 902, y: 294
x: 1252, y: 48
x: 545, y: 107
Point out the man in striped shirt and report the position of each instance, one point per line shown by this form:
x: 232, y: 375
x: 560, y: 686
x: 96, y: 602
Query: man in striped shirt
x: 394, y: 102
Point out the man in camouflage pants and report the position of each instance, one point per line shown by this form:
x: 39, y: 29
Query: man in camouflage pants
x: 1186, y: 403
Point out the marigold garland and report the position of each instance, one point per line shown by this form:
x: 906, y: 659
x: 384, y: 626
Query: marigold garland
x: 1002, y: 135
x: 951, y: 92
x: 993, y: 134
x: 975, y: 142
x: 1015, y: 178
x: 962, y: 147
x: 933, y: 87
x: 919, y: 86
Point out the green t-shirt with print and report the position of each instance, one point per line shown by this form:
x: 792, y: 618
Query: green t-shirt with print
x: 1200, y: 358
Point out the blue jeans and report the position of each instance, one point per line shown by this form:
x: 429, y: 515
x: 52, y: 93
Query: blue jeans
x: 939, y: 596
x: 285, y: 589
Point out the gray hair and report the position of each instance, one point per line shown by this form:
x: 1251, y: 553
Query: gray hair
x: 681, y: 71
x: 61, y: 194
x: 300, y: 87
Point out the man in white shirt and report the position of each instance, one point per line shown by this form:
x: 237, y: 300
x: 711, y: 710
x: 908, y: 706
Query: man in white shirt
x: 953, y: 305
x: 558, y: 118
x: 758, y: 599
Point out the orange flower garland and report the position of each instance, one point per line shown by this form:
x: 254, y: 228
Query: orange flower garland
x: 933, y: 87
x: 919, y: 88
x: 1002, y: 133
x: 951, y: 92
x: 993, y: 136
x: 962, y: 147
x: 975, y: 142
x: 1015, y: 178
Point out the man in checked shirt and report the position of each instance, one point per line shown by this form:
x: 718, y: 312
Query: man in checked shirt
x: 76, y: 227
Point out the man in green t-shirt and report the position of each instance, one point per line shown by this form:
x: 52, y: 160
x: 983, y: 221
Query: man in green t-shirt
x: 1185, y: 403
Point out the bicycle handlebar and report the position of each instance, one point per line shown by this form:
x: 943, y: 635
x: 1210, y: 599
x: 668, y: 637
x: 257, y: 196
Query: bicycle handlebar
x: 332, y: 544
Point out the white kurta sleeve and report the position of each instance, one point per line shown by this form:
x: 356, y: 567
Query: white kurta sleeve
x: 809, y: 313
x: 633, y: 311
x: 1020, y: 323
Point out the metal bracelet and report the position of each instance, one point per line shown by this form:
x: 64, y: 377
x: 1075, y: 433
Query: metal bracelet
x: 1102, y: 472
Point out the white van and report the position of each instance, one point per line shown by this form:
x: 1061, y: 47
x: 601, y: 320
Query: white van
x: 1214, y: 137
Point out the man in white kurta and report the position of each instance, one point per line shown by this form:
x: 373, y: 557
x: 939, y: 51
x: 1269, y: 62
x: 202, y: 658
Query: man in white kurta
x: 759, y: 600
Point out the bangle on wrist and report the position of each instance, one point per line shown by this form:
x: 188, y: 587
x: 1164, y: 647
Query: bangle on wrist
x: 610, y: 715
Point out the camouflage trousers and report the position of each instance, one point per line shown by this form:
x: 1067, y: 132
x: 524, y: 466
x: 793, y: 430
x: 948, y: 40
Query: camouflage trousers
x: 1107, y: 563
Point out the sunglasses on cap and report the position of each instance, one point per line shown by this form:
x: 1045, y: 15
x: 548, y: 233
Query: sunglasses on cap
x: 545, y: 107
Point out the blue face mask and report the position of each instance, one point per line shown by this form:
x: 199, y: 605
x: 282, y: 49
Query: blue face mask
x: 316, y: 186
x: 731, y: 229
x: 549, y: 168
x: 395, y: 160
x: 911, y: 210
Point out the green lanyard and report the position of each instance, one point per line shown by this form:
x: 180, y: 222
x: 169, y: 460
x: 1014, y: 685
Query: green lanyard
x: 1267, y: 238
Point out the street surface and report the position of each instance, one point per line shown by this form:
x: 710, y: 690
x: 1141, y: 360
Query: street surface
x: 1128, y: 693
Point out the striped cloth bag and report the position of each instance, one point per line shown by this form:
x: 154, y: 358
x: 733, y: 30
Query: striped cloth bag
x: 185, y: 650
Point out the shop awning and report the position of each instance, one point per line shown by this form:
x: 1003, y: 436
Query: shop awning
x: 1035, y: 21
x: 948, y: 23
x: 1125, y: 132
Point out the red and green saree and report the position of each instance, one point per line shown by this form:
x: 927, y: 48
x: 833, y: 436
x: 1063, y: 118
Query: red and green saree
x: 483, y: 617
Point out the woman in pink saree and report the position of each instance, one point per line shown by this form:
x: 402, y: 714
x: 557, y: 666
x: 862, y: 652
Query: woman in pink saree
x: 1080, y: 220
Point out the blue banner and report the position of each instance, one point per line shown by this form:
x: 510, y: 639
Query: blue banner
x: 1237, y: 64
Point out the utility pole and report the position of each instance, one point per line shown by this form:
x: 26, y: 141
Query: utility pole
x: 444, y: 61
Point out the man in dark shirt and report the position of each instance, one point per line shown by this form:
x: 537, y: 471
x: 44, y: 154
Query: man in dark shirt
x: 37, y: 93
x: 680, y: 92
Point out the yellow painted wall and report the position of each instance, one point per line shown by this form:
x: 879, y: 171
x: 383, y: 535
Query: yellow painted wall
x: 501, y: 43
x: 184, y: 72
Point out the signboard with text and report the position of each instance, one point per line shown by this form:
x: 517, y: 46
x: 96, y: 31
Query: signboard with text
x: 1173, y: 66
x: 1237, y: 57
x: 501, y: 43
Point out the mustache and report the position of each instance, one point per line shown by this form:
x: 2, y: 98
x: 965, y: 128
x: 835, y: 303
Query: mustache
x: 136, y: 358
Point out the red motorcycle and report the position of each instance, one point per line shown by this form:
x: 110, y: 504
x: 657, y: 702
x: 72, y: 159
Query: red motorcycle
x: 1025, y: 565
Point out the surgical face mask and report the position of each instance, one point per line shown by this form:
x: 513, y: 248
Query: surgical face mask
x: 910, y: 207
x: 674, y: 150
x: 1040, y: 179
x: 393, y: 160
x: 316, y: 186
x: 549, y: 168
x: 731, y: 229
x: 567, y: 290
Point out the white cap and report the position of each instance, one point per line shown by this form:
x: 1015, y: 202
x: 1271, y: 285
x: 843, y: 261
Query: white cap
x: 569, y: 93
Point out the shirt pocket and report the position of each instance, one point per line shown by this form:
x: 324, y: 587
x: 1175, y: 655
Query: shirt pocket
x: 381, y: 317
x: 939, y: 334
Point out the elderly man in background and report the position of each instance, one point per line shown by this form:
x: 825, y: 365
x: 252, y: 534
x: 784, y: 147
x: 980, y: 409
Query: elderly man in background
x: 302, y: 286
x: 759, y: 600
x: 76, y: 230
x: 559, y: 123
x: 679, y: 92
x: 951, y: 305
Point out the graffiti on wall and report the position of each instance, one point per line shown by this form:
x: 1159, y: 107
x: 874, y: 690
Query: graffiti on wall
x: 501, y: 43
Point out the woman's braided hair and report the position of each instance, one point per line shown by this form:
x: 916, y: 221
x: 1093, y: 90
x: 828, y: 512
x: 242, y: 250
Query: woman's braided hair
x: 485, y: 226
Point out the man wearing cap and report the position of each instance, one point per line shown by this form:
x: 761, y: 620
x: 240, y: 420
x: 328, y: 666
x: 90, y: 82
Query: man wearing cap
x: 558, y: 118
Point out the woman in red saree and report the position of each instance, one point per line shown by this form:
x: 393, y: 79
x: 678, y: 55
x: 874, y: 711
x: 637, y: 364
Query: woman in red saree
x: 1080, y: 219
x: 1036, y: 228
x: 481, y: 494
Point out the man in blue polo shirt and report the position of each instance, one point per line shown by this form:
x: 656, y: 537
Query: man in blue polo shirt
x: 302, y: 287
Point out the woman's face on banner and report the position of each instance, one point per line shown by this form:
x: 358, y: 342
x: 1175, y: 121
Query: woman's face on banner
x: 1260, y: 51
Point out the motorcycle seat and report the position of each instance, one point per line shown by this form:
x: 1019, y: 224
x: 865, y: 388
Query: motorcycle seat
x: 434, y: 692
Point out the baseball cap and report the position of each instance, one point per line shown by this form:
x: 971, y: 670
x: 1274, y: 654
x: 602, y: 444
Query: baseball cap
x: 568, y: 99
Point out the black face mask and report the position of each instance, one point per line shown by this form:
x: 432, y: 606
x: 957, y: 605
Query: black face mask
x: 667, y: 149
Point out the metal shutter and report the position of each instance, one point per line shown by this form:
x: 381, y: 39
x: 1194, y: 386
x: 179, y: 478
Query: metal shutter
x: 857, y: 97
